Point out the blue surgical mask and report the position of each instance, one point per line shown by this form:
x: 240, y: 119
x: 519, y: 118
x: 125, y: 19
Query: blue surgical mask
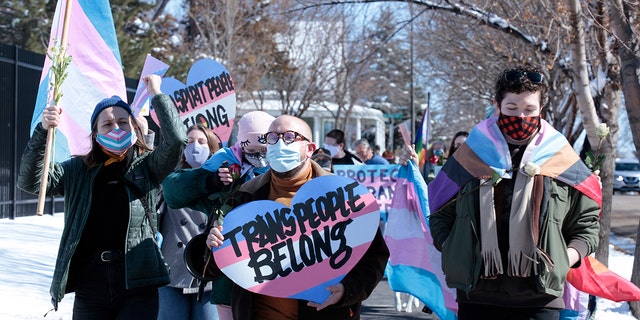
x: 196, y: 154
x: 117, y: 141
x: 283, y: 157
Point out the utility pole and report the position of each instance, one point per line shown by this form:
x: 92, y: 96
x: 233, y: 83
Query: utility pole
x: 413, y: 108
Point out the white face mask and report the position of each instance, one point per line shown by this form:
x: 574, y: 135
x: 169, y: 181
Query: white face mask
x: 334, y: 150
x: 283, y: 157
x: 196, y: 154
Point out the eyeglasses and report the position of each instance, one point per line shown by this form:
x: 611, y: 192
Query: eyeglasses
x: 516, y: 75
x: 288, y: 137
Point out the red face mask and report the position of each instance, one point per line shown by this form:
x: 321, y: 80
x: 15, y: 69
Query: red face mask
x: 518, y: 128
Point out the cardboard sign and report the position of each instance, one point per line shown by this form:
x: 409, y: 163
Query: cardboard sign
x: 298, y: 251
x: 379, y: 179
x: 208, y: 98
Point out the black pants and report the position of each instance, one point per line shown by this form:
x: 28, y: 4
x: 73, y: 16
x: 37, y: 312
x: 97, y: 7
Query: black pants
x: 470, y: 311
x: 101, y: 294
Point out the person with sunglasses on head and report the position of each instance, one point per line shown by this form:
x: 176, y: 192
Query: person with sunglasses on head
x: 289, y: 152
x: 322, y: 157
x: 206, y: 187
x: 179, y: 299
x: 108, y: 253
x: 514, y: 209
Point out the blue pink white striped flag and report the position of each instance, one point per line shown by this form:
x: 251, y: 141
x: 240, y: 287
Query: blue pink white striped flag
x: 414, y: 263
x: 95, y: 72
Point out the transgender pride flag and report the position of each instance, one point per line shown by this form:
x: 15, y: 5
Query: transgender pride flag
x: 414, y: 263
x: 95, y: 72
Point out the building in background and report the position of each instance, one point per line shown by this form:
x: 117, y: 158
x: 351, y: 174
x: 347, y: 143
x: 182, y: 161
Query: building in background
x: 363, y: 122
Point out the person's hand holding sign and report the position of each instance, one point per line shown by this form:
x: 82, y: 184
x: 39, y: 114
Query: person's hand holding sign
x: 215, y: 237
x: 153, y: 82
x: 408, y: 154
x: 337, y: 291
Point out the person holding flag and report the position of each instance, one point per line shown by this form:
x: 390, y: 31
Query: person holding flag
x: 108, y: 252
x: 514, y: 209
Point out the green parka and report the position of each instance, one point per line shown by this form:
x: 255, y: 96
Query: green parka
x: 74, y: 180
x: 568, y: 219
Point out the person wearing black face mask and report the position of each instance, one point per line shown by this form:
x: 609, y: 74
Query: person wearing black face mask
x: 514, y: 208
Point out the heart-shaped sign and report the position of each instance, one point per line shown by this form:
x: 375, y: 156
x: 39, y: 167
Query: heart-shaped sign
x: 208, y: 98
x: 296, y: 252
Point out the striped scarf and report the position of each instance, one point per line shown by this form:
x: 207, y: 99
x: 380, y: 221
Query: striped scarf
x: 485, y: 154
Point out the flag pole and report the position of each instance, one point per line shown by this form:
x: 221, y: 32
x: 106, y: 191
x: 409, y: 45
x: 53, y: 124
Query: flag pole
x: 51, y: 131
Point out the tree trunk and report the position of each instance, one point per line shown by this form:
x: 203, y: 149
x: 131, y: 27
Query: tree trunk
x: 590, y: 120
x: 630, y: 66
x: 630, y: 74
x: 608, y: 147
x: 579, y: 66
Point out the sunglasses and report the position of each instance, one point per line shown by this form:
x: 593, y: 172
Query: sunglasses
x: 515, y: 76
x: 287, y: 137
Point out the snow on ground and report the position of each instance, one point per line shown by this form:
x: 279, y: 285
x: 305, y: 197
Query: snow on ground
x: 28, y: 248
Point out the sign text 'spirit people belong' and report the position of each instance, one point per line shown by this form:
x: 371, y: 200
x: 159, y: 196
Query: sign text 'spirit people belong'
x: 298, y: 251
x: 207, y: 98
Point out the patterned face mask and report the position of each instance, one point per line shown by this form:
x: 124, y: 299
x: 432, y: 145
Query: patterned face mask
x: 518, y: 128
x: 117, y: 141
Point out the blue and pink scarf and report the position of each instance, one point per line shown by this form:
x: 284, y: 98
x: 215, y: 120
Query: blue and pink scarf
x: 486, y: 152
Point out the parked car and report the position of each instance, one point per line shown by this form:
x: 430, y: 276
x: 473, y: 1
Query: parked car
x: 626, y: 176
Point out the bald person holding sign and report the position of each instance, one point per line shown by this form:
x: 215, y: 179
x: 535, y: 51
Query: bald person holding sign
x: 289, y: 152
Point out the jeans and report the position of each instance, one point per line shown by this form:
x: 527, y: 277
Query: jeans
x: 101, y: 294
x: 486, y: 312
x: 176, y: 305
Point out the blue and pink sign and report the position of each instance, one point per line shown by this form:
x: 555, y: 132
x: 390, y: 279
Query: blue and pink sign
x: 379, y: 179
x: 298, y: 251
x: 208, y: 98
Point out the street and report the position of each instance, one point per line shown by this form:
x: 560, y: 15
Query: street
x: 625, y: 214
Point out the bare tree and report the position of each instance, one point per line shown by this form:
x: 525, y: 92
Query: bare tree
x: 466, y: 42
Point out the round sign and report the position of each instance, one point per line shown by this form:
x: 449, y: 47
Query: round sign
x: 297, y: 251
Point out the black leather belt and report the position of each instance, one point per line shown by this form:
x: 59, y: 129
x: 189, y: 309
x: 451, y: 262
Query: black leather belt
x: 111, y: 256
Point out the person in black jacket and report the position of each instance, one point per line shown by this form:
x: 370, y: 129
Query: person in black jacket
x: 108, y: 254
x: 335, y: 143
